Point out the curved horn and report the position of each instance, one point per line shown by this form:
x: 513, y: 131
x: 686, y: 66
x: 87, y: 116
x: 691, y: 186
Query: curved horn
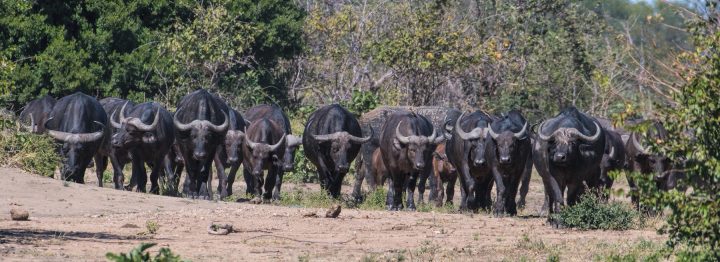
x: 474, y: 134
x: 222, y: 127
x: 122, y: 112
x: 294, y: 140
x: 274, y: 147
x: 593, y: 138
x: 142, y: 126
x: 180, y: 126
x: 540, y: 134
x: 323, y: 138
x: 434, y: 138
x: 637, y: 144
x: 522, y: 132
x: 400, y: 137
x: 114, y: 123
x: 612, y: 152
x: 251, y: 144
x: 361, y: 140
x: 492, y: 132
x: 78, y: 138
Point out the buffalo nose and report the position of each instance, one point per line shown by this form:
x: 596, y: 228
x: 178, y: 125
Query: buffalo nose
x: 199, y: 155
x: 115, y: 142
x: 232, y: 160
x: 504, y: 159
x: 479, y: 162
x: 419, y: 165
x: 560, y: 157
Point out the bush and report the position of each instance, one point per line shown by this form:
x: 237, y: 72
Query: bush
x: 30, y: 152
x: 137, y: 255
x: 593, y: 213
x: 375, y: 200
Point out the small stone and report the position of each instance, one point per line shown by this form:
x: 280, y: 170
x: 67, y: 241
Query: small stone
x: 334, y: 211
x: 19, y: 214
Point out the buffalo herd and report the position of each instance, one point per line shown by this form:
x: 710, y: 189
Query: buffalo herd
x: 572, y: 151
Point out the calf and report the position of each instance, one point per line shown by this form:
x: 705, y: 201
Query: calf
x: 443, y: 172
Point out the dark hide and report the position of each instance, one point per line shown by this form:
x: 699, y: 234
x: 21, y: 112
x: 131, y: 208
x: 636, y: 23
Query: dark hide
x: 36, y: 113
x: 510, y: 157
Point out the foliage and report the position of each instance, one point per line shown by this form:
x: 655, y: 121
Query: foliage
x: 301, y: 198
x: 361, y: 102
x: 643, y: 250
x: 31, y: 152
x: 592, y: 213
x: 137, y: 255
x: 374, y: 200
x: 152, y: 226
x: 694, y: 218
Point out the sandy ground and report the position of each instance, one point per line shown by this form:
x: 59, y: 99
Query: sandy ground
x: 74, y: 222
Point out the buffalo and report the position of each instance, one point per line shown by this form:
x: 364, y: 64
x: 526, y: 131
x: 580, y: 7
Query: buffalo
x: 378, y: 171
x: 36, y: 113
x: 79, y: 123
x: 510, y: 159
x: 467, y: 151
x: 264, y: 146
x: 443, y: 172
x: 567, y: 153
x: 201, y: 123
x: 331, y: 140
x: 147, y: 133
x: 613, y: 158
x: 406, y: 143
x: 230, y: 152
x: 118, y: 156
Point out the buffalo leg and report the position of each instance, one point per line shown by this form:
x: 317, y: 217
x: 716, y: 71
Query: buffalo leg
x: 467, y: 188
x: 501, y: 193
x: 100, y: 165
x: 257, y: 183
x: 156, y: 169
x: 438, y: 187
x: 422, y: 181
x: 450, y: 189
x: 231, y: 178
x: 398, y: 186
x: 251, y: 183
x: 574, y: 192
x: 118, y: 177
x: 222, y: 178
x: 270, y: 180
x: 524, y: 188
x: 279, y: 173
x: 389, y: 200
x: 169, y: 176
x: 511, y: 191
x: 411, y: 183
x: 360, y: 173
x: 205, y: 189
x: 139, y: 173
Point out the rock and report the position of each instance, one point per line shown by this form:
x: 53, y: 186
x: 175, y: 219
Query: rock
x: 220, y: 229
x: 19, y: 214
x: 334, y: 211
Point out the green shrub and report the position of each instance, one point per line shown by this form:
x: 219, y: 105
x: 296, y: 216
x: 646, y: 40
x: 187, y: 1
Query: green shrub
x: 31, y: 152
x: 302, y: 198
x: 374, y: 200
x: 593, y: 213
x: 137, y: 255
x: 152, y: 226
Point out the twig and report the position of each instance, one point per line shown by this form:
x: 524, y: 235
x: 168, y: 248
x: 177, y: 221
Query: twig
x: 298, y: 240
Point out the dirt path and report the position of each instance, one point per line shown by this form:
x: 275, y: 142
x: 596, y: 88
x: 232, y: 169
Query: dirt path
x: 73, y: 222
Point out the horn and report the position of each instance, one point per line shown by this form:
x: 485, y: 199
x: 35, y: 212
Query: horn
x: 474, y: 134
x: 328, y: 137
x: 113, y: 123
x: 251, y: 144
x: 122, y: 113
x: 593, y: 138
x: 637, y: 144
x: 180, y: 126
x: 274, y: 147
x: 540, y: 134
x: 142, y: 126
x: 222, y: 127
x: 434, y: 138
x: 294, y: 140
x: 361, y: 140
x: 612, y: 152
x: 78, y: 138
x: 522, y: 132
x: 492, y: 132
x: 400, y: 137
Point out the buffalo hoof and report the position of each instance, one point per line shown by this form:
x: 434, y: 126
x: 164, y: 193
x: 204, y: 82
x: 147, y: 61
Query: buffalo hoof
x: 521, y: 204
x: 394, y: 208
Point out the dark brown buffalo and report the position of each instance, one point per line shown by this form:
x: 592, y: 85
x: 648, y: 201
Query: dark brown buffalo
x: 147, y: 133
x: 567, y: 154
x: 229, y: 153
x: 263, y: 150
x: 79, y: 123
x: 613, y: 158
x: 407, y: 142
x: 378, y: 171
x: 118, y: 156
x: 510, y: 158
x: 467, y: 150
x: 332, y: 140
x: 201, y: 122
x: 36, y: 113
x: 443, y: 172
x: 275, y: 114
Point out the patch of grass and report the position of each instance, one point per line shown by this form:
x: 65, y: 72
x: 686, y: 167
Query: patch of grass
x: 107, y: 176
x: 152, y: 226
x: 304, y: 258
x: 427, y: 251
x: 374, y: 200
x: 592, y: 213
x: 554, y: 257
x: 528, y: 244
x: 302, y: 198
x: 33, y: 153
x: 643, y: 250
x: 137, y: 255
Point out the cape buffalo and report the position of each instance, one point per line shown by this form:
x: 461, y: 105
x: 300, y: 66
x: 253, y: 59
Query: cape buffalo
x: 201, y: 122
x: 230, y: 152
x: 567, y: 152
x: 378, y: 171
x: 510, y: 159
x: 407, y: 142
x: 275, y: 114
x: 264, y: 146
x: 467, y: 151
x: 79, y: 123
x: 118, y: 156
x: 332, y: 140
x: 613, y: 158
x: 147, y: 133
x: 443, y: 172
x: 36, y: 113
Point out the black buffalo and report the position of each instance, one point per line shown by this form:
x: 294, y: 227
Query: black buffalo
x: 79, y: 123
x: 201, y: 122
x: 274, y: 113
x: 613, y: 158
x: 567, y: 153
x: 230, y: 152
x: 36, y: 113
x: 147, y: 133
x: 331, y: 140
x: 264, y: 146
x: 467, y: 151
x: 643, y: 160
x: 118, y: 156
x: 510, y: 158
x: 407, y: 142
